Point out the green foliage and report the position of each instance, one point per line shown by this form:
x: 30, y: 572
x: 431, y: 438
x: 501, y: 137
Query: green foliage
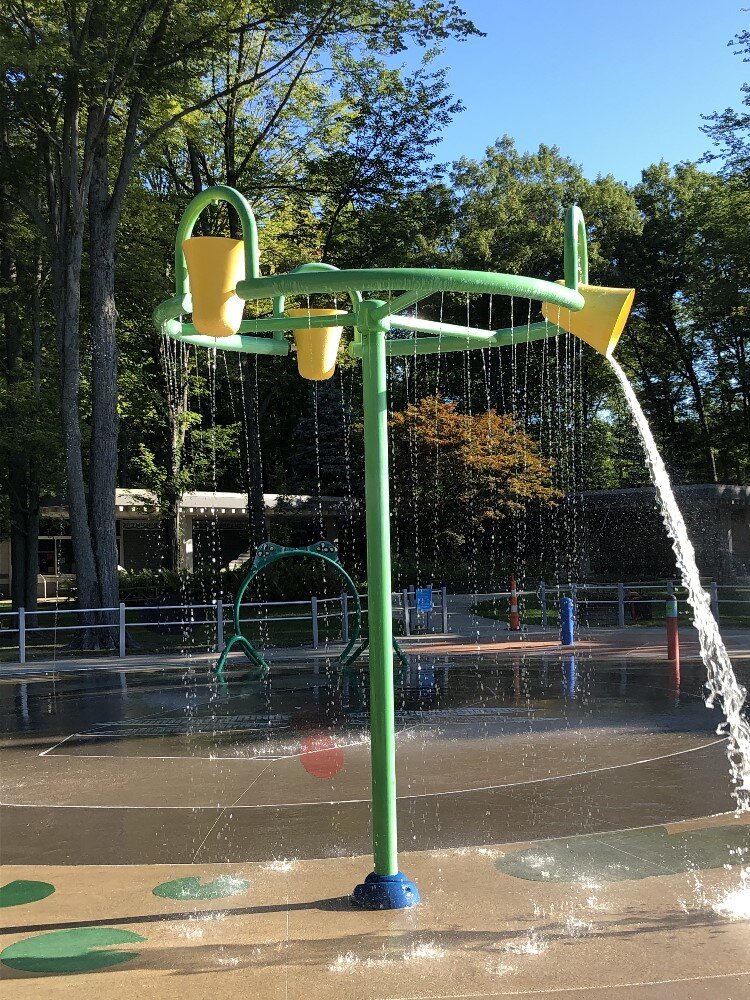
x: 730, y: 129
x: 302, y: 107
x: 458, y: 476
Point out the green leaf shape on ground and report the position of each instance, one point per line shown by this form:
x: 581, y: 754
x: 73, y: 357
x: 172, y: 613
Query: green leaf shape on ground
x: 24, y: 891
x: 190, y: 888
x: 71, y: 951
x: 628, y: 855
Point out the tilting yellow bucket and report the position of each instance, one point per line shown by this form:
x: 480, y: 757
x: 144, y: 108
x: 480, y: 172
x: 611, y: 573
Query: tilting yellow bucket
x: 317, y: 347
x: 601, y: 321
x: 215, y: 264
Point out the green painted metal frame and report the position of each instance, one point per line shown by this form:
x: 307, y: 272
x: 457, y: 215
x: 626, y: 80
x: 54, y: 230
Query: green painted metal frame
x: 371, y: 321
x: 266, y: 555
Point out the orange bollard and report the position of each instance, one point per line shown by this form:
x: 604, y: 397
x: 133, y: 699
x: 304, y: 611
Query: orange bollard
x: 514, y: 622
x: 673, y: 634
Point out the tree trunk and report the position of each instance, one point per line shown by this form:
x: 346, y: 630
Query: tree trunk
x: 66, y: 274
x: 104, y: 417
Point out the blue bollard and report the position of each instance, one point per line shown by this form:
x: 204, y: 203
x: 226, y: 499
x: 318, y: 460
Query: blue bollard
x: 566, y: 621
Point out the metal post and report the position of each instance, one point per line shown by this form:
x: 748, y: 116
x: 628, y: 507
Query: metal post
x: 21, y: 635
x: 385, y: 888
x: 405, y: 599
x: 122, y: 630
x: 220, y: 624
x: 715, y: 600
x: 444, y: 599
x: 344, y: 616
x: 621, y: 605
x: 543, y: 602
x: 314, y: 609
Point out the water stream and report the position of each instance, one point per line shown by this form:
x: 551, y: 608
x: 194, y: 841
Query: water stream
x: 721, y: 683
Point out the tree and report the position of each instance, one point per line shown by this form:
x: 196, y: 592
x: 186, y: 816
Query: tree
x: 730, y: 129
x: 458, y: 476
x: 90, y: 94
x: 29, y: 440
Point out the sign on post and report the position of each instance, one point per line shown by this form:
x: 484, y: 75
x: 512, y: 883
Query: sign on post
x: 424, y: 600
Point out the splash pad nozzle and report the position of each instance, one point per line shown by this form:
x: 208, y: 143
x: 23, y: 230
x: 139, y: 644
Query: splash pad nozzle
x: 207, y: 292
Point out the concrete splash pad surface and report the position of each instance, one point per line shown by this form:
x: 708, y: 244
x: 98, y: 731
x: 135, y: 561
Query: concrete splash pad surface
x: 556, y: 817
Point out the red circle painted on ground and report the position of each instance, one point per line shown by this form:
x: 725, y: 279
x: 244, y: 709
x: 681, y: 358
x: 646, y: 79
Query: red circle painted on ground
x: 320, y: 756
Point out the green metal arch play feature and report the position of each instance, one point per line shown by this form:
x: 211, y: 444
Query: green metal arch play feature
x: 266, y: 555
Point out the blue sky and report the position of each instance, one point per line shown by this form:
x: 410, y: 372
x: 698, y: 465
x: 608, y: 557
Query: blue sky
x: 616, y: 84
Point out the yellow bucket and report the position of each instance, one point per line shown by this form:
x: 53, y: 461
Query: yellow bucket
x: 317, y: 347
x: 215, y: 264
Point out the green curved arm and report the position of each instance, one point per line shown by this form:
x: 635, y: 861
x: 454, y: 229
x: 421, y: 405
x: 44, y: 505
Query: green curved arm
x: 219, y: 192
x: 355, y: 297
x: 424, y: 280
x: 576, y: 254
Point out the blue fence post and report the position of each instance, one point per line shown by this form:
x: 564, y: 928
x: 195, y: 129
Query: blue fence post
x: 566, y: 621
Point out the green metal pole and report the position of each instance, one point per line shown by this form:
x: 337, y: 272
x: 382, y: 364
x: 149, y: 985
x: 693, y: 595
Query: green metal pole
x: 383, y: 747
x: 386, y: 888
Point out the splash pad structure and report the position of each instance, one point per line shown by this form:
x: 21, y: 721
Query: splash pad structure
x: 214, y: 277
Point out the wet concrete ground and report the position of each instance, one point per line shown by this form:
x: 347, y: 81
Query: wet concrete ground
x: 555, y: 811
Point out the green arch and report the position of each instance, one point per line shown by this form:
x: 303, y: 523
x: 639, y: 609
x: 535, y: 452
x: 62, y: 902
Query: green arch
x: 266, y: 555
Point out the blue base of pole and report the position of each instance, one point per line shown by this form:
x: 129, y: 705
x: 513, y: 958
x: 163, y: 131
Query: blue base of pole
x: 385, y: 892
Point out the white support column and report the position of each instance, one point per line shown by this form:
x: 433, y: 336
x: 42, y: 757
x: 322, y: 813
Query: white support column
x: 444, y: 608
x: 405, y: 600
x: 186, y: 531
x: 314, y: 610
x: 543, y: 602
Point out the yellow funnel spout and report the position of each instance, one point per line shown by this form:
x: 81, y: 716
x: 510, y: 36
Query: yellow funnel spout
x: 602, y: 319
x: 317, y: 347
x: 215, y: 264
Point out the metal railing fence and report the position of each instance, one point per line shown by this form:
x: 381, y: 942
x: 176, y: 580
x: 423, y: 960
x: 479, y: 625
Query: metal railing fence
x: 152, y: 627
x: 52, y: 630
